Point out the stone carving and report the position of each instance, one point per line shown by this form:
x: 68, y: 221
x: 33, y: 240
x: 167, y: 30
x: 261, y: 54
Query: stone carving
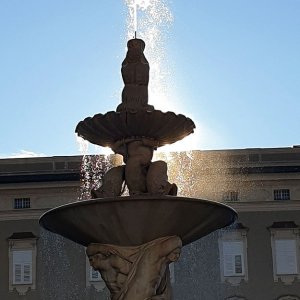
x: 135, y: 74
x: 140, y: 174
x: 138, y: 272
x: 135, y: 130
x: 132, y: 240
x: 137, y: 154
x: 157, y: 179
x: 106, y: 129
x: 112, y: 183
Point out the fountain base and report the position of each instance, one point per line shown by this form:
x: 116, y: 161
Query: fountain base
x: 132, y: 240
x: 139, y: 272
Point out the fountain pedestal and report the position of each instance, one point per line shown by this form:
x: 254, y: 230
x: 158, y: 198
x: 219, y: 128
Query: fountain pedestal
x: 137, y: 272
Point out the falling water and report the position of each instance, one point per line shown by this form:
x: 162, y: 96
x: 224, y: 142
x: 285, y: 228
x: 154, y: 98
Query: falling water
x: 93, y: 167
x: 56, y: 264
x: 62, y: 269
x: 151, y: 20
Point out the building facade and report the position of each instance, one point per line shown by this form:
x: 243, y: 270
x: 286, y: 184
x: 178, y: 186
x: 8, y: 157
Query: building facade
x: 257, y: 258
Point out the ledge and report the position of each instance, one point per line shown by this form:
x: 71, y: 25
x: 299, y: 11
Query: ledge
x: 49, y: 177
x: 26, y: 214
x: 286, y: 205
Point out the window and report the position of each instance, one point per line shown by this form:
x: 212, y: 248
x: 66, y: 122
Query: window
x: 286, y: 256
x: 233, y: 254
x: 94, y: 275
x: 20, y: 203
x: 22, y: 266
x: 22, y: 262
x: 285, y: 243
x: 231, y: 196
x: 282, y: 194
x: 233, y: 258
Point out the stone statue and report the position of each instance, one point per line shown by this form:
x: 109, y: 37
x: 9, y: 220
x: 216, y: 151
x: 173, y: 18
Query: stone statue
x: 112, y: 183
x: 135, y: 74
x: 138, y: 272
x: 139, y: 174
x: 137, y: 155
x: 157, y: 179
x: 132, y: 240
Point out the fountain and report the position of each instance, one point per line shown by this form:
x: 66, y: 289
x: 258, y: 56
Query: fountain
x: 131, y: 240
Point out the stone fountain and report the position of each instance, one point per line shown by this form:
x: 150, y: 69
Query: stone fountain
x: 131, y: 240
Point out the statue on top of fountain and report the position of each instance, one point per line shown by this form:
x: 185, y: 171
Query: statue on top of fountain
x: 134, y: 131
x: 135, y: 74
x: 140, y: 174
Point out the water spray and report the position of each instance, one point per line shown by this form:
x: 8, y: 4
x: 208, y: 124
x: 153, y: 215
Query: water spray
x: 135, y: 5
x: 135, y: 18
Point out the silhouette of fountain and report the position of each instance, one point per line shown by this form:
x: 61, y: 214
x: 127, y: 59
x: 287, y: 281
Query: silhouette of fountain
x: 131, y: 240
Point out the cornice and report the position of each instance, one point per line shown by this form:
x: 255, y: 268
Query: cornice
x: 28, y: 214
x: 39, y: 177
x: 253, y: 206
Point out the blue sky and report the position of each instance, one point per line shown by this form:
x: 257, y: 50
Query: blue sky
x: 234, y: 69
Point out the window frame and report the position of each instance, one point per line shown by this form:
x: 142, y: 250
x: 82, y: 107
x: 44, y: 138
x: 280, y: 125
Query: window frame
x: 280, y: 234
x: 18, y: 245
x: 282, y: 194
x: 22, y: 203
x: 22, y: 264
x: 240, y: 254
x: 231, y: 196
x: 91, y: 275
x: 233, y: 235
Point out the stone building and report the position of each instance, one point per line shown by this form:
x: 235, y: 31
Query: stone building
x: 257, y: 258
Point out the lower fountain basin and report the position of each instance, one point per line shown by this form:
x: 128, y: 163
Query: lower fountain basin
x: 135, y: 220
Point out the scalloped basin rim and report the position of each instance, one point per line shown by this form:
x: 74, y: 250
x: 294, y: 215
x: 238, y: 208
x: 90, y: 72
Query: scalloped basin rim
x: 106, y: 129
x: 134, y: 220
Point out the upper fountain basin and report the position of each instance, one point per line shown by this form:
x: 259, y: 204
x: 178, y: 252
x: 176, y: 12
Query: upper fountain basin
x: 106, y: 129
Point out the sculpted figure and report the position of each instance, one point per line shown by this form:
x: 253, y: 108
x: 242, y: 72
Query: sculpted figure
x: 142, y: 175
x: 157, y: 179
x: 112, y: 183
x: 135, y: 273
x: 135, y: 74
x: 137, y: 154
